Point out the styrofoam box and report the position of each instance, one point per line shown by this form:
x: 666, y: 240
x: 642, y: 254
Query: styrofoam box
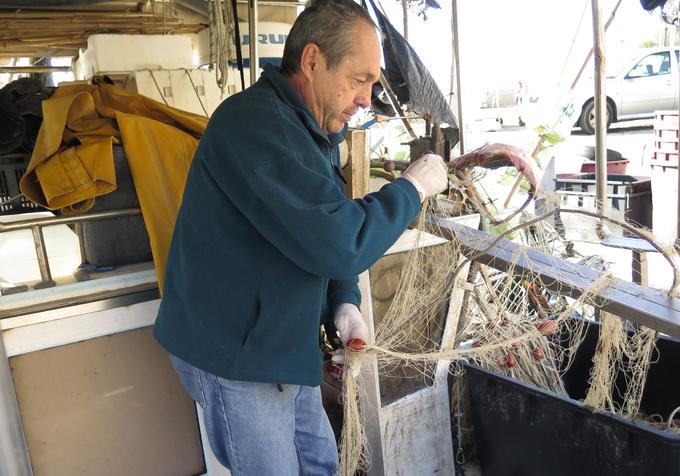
x: 121, y: 53
x: 177, y: 89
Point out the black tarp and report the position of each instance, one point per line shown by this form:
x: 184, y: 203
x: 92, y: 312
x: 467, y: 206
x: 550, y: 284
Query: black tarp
x: 409, y: 78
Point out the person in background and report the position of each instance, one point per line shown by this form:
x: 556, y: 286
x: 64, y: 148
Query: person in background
x: 267, y: 247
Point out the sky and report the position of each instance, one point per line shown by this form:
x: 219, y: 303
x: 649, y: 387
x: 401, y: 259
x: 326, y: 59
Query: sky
x: 504, y: 41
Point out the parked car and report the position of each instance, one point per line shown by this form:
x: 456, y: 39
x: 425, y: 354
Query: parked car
x: 647, y: 83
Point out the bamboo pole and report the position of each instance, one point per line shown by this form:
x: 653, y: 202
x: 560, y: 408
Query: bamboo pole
x: 590, y: 53
x: 600, y: 111
x: 34, y: 69
x: 51, y: 14
x: 456, y: 65
x: 541, y: 141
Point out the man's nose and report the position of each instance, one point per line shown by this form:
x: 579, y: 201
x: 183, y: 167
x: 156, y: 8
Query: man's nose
x: 363, y: 98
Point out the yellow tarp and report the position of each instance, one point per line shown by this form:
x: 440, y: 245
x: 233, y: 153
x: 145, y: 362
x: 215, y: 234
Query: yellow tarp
x: 72, y: 162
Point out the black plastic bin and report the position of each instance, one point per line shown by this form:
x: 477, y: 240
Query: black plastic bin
x: 629, y: 198
x: 522, y: 430
x: 630, y: 195
x: 12, y: 167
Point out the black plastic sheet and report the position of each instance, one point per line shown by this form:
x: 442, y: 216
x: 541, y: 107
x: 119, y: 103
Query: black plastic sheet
x: 409, y: 78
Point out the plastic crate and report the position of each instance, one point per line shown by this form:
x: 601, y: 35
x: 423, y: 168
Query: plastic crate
x: 12, y: 167
x: 524, y: 430
x: 616, y: 167
x: 630, y: 199
x: 666, y: 141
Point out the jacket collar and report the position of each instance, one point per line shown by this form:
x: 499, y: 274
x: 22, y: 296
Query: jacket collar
x: 291, y: 97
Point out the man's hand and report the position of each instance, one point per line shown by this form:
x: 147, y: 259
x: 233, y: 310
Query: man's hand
x: 350, y: 324
x: 428, y: 174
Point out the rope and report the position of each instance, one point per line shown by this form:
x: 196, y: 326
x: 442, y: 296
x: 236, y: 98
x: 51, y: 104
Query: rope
x: 196, y: 91
x: 158, y: 87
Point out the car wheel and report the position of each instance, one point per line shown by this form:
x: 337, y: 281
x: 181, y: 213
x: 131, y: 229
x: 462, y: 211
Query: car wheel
x: 587, y: 120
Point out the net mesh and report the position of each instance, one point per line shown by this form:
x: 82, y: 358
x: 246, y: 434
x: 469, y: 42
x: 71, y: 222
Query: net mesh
x: 513, y: 323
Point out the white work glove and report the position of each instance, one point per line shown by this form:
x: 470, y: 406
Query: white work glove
x: 428, y: 174
x: 350, y: 324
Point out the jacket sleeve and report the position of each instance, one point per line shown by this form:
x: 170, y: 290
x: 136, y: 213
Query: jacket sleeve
x: 289, y: 194
x: 343, y: 291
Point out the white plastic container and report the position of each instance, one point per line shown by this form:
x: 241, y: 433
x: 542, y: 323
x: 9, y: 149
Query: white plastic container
x: 18, y: 259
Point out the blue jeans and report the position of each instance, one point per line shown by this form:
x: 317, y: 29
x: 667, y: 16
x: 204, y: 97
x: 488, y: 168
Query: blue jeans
x: 257, y: 429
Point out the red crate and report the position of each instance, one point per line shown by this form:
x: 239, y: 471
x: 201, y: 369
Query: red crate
x: 664, y: 159
x: 666, y: 120
x: 666, y: 141
x: 666, y: 146
x: 613, y: 167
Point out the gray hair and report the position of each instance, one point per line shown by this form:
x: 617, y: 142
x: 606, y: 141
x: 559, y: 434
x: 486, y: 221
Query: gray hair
x: 328, y: 24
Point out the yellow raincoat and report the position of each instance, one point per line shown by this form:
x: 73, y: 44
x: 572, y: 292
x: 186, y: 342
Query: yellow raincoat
x: 72, y: 162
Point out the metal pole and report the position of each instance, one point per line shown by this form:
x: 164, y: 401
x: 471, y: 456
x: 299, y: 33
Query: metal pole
x: 66, y: 220
x: 14, y: 458
x: 43, y: 260
x: 600, y: 111
x: 252, y: 33
x: 456, y: 65
x: 81, y: 241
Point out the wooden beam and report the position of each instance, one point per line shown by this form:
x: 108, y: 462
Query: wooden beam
x: 369, y: 388
x: 357, y: 176
x: 638, y: 304
x: 357, y: 172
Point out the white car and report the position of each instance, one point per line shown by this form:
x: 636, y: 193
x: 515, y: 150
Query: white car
x: 646, y: 84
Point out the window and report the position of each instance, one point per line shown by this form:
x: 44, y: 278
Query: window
x: 652, y: 65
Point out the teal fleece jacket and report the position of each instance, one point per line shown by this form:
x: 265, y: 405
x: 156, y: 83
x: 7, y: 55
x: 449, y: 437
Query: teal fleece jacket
x: 266, y: 244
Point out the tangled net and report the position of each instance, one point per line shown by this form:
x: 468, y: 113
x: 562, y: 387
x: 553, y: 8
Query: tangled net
x: 513, y: 324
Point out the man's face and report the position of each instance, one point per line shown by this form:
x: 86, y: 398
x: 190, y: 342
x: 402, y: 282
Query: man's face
x: 341, y: 92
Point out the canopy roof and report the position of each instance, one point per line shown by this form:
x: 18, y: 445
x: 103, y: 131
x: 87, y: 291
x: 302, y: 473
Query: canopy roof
x: 35, y: 28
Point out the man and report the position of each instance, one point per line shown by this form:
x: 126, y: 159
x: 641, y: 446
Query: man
x: 267, y: 247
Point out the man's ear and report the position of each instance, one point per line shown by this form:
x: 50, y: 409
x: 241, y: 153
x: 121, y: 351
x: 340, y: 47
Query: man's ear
x: 311, y: 60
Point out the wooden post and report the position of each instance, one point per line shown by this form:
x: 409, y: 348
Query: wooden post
x: 357, y: 172
x: 600, y: 113
x: 455, y: 64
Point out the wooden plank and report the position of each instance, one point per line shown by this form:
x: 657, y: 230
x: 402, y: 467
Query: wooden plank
x: 358, y: 172
x: 369, y: 387
x: 640, y: 305
x: 417, y: 434
x: 357, y: 175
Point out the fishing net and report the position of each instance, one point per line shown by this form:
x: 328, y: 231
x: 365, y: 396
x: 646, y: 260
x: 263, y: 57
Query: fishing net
x: 512, y: 323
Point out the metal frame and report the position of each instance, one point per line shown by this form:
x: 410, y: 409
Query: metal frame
x: 36, y: 225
